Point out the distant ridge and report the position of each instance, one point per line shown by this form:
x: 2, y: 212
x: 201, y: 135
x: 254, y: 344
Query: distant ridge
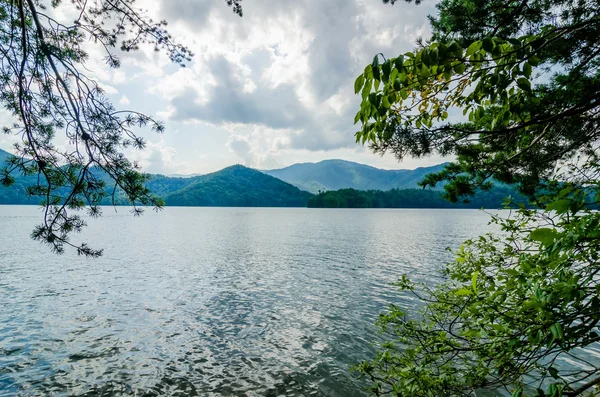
x: 342, y: 174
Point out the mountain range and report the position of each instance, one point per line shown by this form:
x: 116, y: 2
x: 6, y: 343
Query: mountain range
x: 292, y: 186
x: 341, y: 174
x: 237, y: 186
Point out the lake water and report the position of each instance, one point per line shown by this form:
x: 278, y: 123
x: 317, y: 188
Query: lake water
x: 210, y: 301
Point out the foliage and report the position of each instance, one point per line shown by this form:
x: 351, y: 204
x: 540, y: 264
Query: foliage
x: 44, y: 87
x: 406, y: 198
x: 526, y: 73
x: 517, y: 309
x: 519, y: 303
x: 340, y: 174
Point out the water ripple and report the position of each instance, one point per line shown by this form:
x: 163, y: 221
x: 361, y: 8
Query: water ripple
x: 211, y: 301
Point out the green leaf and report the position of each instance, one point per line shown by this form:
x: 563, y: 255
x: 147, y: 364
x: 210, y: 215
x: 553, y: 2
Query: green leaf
x: 459, y: 68
x: 524, y: 84
x: 374, y: 99
x: 399, y: 62
x: 425, y: 58
x: 387, y: 67
x: 557, y: 332
x: 385, y: 102
x: 433, y: 55
x: 565, y: 191
x: 544, y: 235
x: 358, y: 83
x: 463, y: 292
x: 376, y: 74
x: 375, y: 63
x: 560, y: 206
x: 474, y: 280
x: 448, y: 74
x: 366, y: 89
x: 455, y: 48
x: 553, y: 390
x: 368, y: 72
x: 534, y: 60
x: 474, y: 47
x: 375, y: 67
x: 488, y: 44
x: 553, y: 372
x: 527, y: 69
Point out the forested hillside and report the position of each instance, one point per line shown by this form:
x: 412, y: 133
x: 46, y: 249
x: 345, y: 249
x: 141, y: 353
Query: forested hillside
x: 238, y: 186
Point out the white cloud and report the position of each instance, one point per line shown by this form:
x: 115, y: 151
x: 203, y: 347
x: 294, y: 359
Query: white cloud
x: 256, y: 146
x: 270, y: 88
x: 282, y: 66
x: 159, y: 158
x: 108, y: 89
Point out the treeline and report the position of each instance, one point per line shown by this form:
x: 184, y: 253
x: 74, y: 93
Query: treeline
x: 408, y: 198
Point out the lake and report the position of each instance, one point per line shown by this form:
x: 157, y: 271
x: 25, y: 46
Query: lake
x: 211, y: 301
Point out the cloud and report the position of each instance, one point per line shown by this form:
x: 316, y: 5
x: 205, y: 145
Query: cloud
x: 287, y: 66
x: 236, y: 98
x: 241, y: 147
x: 272, y: 86
x: 267, y: 89
x: 257, y: 147
x: 159, y: 158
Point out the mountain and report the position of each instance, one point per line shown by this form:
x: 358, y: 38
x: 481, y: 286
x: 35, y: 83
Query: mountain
x: 3, y: 156
x: 238, y: 186
x: 341, y: 174
x: 232, y: 186
x: 17, y: 192
x: 245, y: 187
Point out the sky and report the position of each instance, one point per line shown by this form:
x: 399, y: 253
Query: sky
x: 267, y: 90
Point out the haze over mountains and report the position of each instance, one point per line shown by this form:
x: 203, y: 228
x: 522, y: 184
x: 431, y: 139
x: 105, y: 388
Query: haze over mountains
x: 342, y: 174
